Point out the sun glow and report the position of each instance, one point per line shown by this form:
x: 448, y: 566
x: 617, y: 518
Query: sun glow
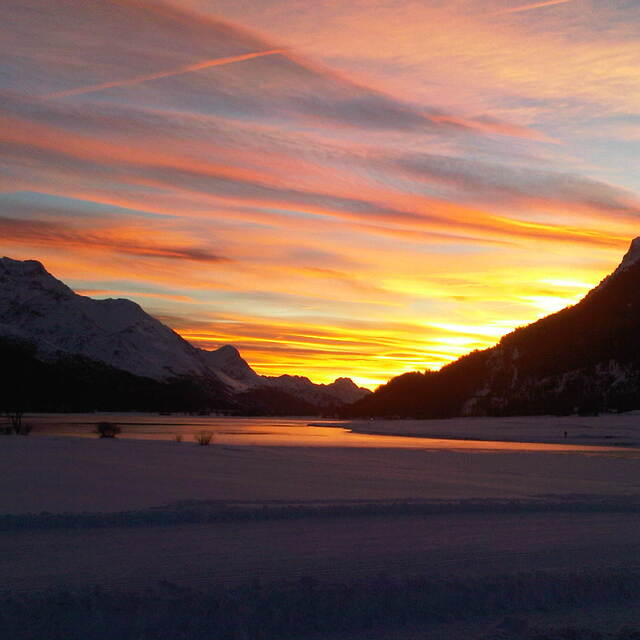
x: 337, y: 189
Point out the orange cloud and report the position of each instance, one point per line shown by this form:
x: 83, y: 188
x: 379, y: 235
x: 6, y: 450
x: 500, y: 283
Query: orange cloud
x: 381, y: 201
x: 126, y: 240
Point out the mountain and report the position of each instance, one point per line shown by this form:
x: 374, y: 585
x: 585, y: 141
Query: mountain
x: 230, y: 367
x: 585, y: 359
x: 75, y: 383
x: 36, y: 306
x: 38, y: 309
x: 275, y: 395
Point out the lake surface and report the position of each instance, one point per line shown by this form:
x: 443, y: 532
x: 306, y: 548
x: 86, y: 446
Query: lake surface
x: 296, y: 432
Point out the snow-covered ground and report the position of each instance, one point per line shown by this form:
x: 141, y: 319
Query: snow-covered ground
x: 332, y: 549
x: 133, y: 514
x: 607, y: 430
x: 56, y: 474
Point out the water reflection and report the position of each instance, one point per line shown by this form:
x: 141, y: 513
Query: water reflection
x: 280, y: 432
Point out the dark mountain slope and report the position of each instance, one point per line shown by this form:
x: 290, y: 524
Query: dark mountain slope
x: 74, y: 383
x: 585, y: 358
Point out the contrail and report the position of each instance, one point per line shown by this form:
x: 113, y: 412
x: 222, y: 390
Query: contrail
x: 529, y: 7
x: 216, y: 62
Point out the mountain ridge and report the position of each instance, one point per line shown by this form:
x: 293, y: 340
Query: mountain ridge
x: 37, y: 307
x: 584, y: 358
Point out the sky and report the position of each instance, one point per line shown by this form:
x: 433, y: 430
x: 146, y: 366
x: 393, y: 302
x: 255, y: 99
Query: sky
x: 337, y: 188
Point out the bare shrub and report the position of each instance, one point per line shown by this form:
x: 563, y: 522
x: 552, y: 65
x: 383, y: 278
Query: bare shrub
x: 203, y: 438
x: 108, y: 429
x: 15, y: 425
x: 25, y: 429
x: 15, y: 417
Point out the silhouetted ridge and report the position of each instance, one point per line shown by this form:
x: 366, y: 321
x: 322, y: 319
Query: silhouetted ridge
x: 585, y: 359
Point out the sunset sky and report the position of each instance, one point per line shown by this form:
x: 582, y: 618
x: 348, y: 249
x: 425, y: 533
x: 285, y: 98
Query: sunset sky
x: 353, y: 187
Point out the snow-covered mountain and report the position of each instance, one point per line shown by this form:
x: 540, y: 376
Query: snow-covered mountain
x: 344, y: 390
x: 37, y: 307
x: 231, y: 367
x: 585, y: 358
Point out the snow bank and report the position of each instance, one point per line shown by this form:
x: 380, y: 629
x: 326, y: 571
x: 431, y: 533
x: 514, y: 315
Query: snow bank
x: 64, y: 474
x: 620, y: 430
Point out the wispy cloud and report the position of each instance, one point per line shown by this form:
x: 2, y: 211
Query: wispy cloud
x: 488, y: 124
x: 531, y: 7
x: 115, y: 239
x: 189, y: 68
x: 397, y: 167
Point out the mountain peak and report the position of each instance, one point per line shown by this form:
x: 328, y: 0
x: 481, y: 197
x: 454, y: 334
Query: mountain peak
x: 23, y: 278
x: 22, y: 267
x: 38, y: 307
x: 632, y: 256
x: 230, y: 366
x: 346, y: 383
x: 228, y: 350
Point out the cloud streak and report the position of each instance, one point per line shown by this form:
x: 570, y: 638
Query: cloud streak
x: 416, y: 164
x: 189, y: 68
x: 531, y: 7
x: 118, y: 240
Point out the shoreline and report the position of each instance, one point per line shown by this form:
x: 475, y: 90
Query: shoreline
x: 615, y: 431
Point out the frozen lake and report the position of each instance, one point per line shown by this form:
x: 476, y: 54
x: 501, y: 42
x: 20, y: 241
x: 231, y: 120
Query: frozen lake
x: 310, y: 432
